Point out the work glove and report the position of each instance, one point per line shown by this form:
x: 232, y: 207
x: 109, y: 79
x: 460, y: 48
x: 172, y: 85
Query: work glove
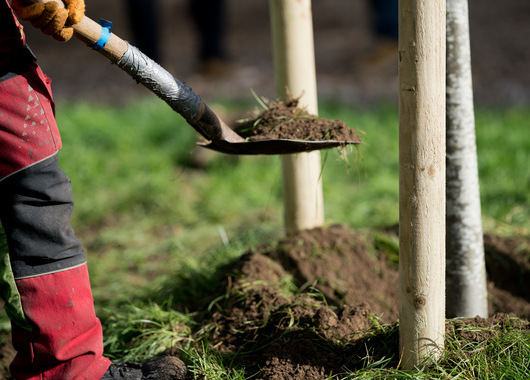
x: 49, y: 17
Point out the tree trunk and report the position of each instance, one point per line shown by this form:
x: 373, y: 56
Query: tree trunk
x: 421, y: 180
x: 466, y: 293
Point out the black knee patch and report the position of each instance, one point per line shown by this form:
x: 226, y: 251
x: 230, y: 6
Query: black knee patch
x: 35, y: 208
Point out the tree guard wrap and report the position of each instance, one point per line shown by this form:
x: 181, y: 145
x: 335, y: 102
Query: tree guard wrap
x: 146, y: 71
x: 466, y: 284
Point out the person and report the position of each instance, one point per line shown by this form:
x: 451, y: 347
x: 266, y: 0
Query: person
x: 143, y: 17
x: 209, y: 22
x: 384, y: 27
x: 44, y: 276
x: 385, y: 18
x: 209, y: 19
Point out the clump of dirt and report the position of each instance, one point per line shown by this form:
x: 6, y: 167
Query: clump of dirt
x: 508, y: 270
x: 285, y: 120
x: 7, y: 354
x: 481, y: 329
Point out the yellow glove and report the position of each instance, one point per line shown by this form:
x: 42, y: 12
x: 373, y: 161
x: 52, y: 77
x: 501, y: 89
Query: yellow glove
x: 76, y: 11
x: 49, y: 17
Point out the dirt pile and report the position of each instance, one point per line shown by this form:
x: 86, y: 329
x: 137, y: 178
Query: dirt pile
x: 343, y: 287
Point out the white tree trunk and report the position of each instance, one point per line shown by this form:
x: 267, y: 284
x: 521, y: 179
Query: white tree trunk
x: 421, y: 180
x: 294, y: 64
x: 466, y: 292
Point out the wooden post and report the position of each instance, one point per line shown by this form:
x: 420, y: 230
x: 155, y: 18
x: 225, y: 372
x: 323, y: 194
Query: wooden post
x: 421, y: 179
x: 294, y: 63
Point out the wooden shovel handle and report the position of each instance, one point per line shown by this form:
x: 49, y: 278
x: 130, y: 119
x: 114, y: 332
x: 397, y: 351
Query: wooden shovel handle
x: 89, y: 31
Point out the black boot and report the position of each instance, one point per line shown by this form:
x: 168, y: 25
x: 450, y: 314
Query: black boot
x: 164, y: 368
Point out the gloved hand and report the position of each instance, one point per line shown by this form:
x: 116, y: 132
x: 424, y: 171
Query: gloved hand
x: 49, y: 17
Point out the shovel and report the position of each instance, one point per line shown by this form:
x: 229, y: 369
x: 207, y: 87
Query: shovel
x: 181, y: 98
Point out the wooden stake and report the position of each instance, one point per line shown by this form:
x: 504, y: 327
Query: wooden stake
x: 294, y: 60
x: 421, y: 179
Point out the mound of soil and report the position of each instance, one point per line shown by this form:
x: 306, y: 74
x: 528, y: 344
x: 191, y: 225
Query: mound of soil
x: 285, y: 120
x: 345, y: 288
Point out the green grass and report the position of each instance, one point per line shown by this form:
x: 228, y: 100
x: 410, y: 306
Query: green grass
x: 504, y: 157
x: 157, y: 232
x: 133, y: 156
x: 505, y: 354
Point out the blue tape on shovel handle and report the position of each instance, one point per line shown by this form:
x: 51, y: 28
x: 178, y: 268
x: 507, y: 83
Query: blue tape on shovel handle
x: 105, y: 34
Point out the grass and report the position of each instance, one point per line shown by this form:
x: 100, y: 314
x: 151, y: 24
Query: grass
x: 157, y: 232
x: 503, y: 165
x: 147, y: 331
x: 504, y: 352
x: 132, y: 157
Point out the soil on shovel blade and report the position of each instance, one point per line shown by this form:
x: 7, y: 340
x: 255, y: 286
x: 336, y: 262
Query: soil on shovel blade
x: 286, y: 120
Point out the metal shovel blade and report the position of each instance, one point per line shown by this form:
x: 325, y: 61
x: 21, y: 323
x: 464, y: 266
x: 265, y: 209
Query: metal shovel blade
x: 273, y: 147
x: 224, y: 139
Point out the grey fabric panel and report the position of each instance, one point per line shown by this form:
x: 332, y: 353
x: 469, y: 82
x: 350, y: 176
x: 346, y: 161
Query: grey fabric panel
x: 35, y: 208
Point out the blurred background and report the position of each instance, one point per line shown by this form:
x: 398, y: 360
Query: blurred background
x: 354, y: 64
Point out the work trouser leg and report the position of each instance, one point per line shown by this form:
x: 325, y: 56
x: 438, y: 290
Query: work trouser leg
x: 54, y: 327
